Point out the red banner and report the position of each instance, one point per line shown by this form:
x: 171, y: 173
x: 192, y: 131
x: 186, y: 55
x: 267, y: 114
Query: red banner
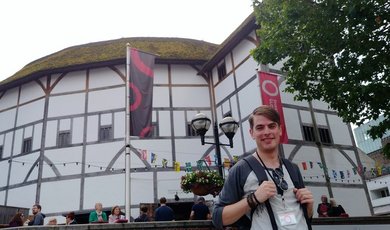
x: 141, y: 93
x: 270, y: 95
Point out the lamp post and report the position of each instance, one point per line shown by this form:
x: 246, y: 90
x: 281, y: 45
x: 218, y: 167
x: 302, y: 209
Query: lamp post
x: 201, y: 123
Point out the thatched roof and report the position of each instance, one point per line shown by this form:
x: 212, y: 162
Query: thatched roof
x: 114, y: 52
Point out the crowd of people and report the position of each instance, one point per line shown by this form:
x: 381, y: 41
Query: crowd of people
x: 199, y: 211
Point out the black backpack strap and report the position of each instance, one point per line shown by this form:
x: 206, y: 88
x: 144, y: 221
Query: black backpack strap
x: 261, y: 176
x: 297, y: 180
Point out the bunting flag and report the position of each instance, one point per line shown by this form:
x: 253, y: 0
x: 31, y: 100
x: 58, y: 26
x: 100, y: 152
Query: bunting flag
x: 348, y: 174
x: 177, y: 166
x: 208, y: 160
x: 379, y: 170
x: 141, y: 92
x: 311, y: 164
x: 144, y: 154
x: 304, y: 166
x: 153, y: 158
x: 188, y: 167
x: 354, y: 171
x: 235, y: 158
x: 319, y: 164
x: 342, y: 174
x: 269, y: 89
x: 334, y: 174
x: 226, y: 162
x: 164, y: 163
x: 199, y: 165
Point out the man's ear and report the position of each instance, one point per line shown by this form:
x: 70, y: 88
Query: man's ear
x: 251, y: 133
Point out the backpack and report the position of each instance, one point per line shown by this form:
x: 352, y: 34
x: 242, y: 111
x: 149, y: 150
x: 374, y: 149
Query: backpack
x: 244, y: 222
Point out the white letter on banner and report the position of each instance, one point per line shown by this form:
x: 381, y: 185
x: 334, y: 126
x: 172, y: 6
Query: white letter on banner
x: 263, y: 87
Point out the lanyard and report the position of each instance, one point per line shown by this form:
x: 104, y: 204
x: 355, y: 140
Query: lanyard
x: 280, y: 190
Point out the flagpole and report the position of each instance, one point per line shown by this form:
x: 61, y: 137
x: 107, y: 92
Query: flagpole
x: 127, y: 139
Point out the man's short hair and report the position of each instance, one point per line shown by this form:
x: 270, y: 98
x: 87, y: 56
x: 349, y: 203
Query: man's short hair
x: 163, y: 200
x: 266, y: 111
x: 38, y: 206
x: 144, y: 209
x: 201, y: 199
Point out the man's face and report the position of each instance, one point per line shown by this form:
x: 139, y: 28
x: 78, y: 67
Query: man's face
x: 35, y: 210
x: 266, y: 133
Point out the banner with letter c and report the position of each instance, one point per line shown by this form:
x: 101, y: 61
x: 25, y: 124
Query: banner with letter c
x: 270, y: 95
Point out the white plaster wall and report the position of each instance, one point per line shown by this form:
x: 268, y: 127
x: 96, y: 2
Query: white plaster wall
x: 168, y: 183
x: 321, y: 119
x: 288, y: 98
x: 103, y: 77
x: 241, y: 51
x: 179, y: 124
x: 160, y: 74
x: 106, y: 99
x: 64, y: 125
x: 23, y: 196
x: 51, y: 134
x: 67, y: 156
x: 101, y: 155
x: 190, y: 97
x: 66, y: 105
x: 31, y: 91
x: 2, y: 198
x: 92, y: 128
x: 8, y: 144
x: 162, y: 149
x: 108, y: 190
x: 164, y: 123
x: 293, y: 126
x: 353, y: 200
x: 19, y: 171
x: 67, y: 196
x: 306, y: 117
x: 9, y: 116
x: 336, y: 161
x: 160, y: 96
x: 4, y: 166
x: 28, y: 131
x: 224, y: 88
x: 78, y: 130
x: 73, y: 81
x: 37, y: 137
x: 119, y: 124
x: 18, y: 142
x: 191, y: 151
x: 9, y: 99
x: 141, y: 188
x: 185, y: 74
x: 249, y: 98
x: 339, y: 131
x: 31, y: 112
x: 317, y: 104
x: 245, y: 71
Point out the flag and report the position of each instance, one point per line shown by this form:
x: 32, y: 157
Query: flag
x: 144, y: 154
x: 153, y: 158
x: 334, y: 174
x: 141, y: 92
x: 208, y: 159
x: 348, y: 173
x: 269, y: 89
x: 164, y: 163
x: 319, y: 164
x: 342, y: 174
x: 304, y: 165
x: 226, y: 162
x: 311, y: 164
x: 199, y: 165
x: 354, y: 171
x: 177, y: 166
x: 188, y: 167
x: 235, y: 158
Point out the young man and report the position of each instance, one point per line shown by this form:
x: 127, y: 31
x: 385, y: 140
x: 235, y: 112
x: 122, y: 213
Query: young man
x: 38, y: 216
x: 200, y: 211
x: 274, y: 204
x: 164, y: 213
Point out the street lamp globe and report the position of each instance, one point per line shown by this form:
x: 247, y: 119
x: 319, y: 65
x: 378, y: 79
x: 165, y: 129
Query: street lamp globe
x: 229, y: 127
x: 201, y: 123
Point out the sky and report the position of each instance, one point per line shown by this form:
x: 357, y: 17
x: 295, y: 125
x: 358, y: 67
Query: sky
x: 31, y: 29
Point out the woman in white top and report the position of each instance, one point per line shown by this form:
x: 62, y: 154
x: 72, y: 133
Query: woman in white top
x: 115, y: 216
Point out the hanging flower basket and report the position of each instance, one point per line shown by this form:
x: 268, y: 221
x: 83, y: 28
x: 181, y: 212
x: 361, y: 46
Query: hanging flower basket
x: 202, y: 183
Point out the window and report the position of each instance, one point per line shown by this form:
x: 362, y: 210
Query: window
x: 105, y: 133
x: 385, y: 192
x: 325, y: 135
x: 27, y: 145
x: 190, y: 131
x: 221, y: 71
x: 63, y: 139
x: 1, y: 151
x: 308, y: 132
x: 380, y: 193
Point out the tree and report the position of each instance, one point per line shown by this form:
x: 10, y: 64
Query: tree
x: 334, y: 50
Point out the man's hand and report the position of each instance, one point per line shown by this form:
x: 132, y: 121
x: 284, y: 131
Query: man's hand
x: 266, y: 190
x: 304, y: 196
